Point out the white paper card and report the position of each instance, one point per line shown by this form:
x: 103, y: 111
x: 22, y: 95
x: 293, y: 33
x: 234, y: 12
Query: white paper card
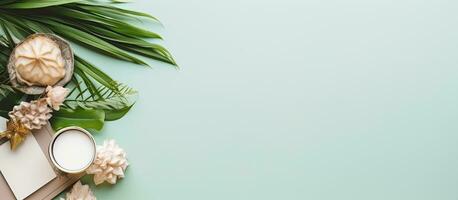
x: 26, y: 169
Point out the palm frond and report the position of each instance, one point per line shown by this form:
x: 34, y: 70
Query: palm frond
x: 5, y: 90
x: 94, y: 24
x: 115, y: 103
x: 6, y: 44
x: 28, y: 4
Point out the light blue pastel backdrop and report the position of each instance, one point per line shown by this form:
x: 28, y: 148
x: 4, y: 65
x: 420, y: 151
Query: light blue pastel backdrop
x: 293, y: 100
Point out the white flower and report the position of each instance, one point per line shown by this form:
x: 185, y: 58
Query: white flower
x: 55, y: 96
x: 80, y: 192
x: 109, y: 164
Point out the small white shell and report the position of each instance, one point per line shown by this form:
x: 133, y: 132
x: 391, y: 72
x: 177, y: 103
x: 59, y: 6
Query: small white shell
x: 55, y: 96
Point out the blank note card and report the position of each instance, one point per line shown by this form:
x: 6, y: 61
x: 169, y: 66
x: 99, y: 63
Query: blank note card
x: 26, y: 169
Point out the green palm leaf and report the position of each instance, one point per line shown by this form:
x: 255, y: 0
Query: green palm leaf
x: 89, y: 119
x: 74, y: 20
x: 115, y: 103
x: 28, y: 4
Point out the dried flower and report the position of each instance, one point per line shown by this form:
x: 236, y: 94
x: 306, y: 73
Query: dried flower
x: 33, y: 115
x: 16, y: 132
x: 80, y: 192
x: 109, y: 164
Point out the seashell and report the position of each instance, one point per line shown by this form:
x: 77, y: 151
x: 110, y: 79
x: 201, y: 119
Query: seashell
x: 55, y: 96
x: 39, y: 61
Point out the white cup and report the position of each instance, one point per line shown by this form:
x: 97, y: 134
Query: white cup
x: 72, y: 150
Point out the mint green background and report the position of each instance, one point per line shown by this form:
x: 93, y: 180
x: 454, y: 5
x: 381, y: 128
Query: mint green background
x: 294, y: 100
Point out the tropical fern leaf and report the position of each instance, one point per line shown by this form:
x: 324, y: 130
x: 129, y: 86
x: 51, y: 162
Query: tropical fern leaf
x: 115, y: 103
x: 5, y: 90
